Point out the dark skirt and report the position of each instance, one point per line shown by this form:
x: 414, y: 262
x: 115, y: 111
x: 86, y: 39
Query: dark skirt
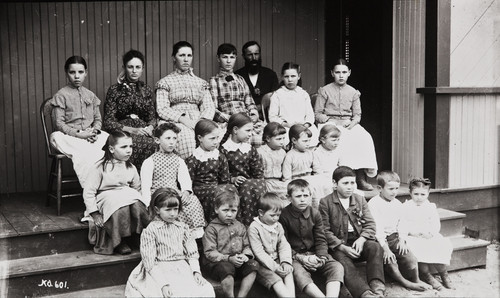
x: 250, y: 192
x: 125, y: 222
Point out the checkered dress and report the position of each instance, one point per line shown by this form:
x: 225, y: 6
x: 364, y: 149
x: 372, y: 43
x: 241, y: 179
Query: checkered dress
x: 166, y: 167
x: 230, y: 94
x: 184, y: 94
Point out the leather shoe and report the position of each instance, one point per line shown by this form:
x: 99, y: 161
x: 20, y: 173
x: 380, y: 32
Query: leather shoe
x: 378, y: 287
x: 123, y: 249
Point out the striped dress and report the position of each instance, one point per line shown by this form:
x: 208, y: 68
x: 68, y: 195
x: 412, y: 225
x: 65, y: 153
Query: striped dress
x: 169, y: 257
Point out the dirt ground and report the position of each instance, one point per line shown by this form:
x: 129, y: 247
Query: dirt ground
x: 477, y: 282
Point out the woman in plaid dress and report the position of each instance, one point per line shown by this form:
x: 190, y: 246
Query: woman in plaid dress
x: 183, y: 98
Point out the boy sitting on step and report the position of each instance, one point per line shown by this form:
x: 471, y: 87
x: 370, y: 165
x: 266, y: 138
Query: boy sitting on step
x: 226, y: 248
x: 304, y: 231
x: 387, y: 212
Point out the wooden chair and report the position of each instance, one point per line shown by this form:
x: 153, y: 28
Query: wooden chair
x: 265, y: 103
x: 57, y: 160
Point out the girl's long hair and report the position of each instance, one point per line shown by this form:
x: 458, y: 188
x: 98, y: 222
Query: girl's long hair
x: 236, y: 120
x: 113, y: 138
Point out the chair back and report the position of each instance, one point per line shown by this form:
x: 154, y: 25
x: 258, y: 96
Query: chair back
x: 265, y: 103
x: 313, y: 99
x: 47, y: 123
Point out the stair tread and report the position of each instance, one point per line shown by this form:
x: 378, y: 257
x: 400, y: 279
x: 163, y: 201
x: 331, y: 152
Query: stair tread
x: 446, y: 214
x: 112, y: 291
x: 61, y: 262
x: 462, y: 242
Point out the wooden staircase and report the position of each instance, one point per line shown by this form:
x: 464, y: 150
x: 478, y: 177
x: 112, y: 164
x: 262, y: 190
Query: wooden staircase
x: 62, y: 263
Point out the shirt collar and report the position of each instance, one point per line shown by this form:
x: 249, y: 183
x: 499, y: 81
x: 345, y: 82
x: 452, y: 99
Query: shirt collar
x: 271, y: 228
x: 231, y: 146
x: 297, y: 213
x: 186, y: 72
x: 203, y: 155
x: 219, y: 222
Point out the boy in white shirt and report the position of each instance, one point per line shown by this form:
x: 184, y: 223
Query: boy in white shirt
x: 386, y: 212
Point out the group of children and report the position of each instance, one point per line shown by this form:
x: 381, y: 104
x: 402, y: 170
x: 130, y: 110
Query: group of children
x: 274, y: 216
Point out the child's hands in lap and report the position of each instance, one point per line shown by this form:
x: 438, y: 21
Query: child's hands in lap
x: 350, y: 124
x: 199, y: 279
x: 349, y: 251
x: 243, y: 257
x: 236, y: 261
x: 389, y: 257
x: 311, y: 263
x: 284, y: 270
x: 358, y: 245
x: 165, y: 290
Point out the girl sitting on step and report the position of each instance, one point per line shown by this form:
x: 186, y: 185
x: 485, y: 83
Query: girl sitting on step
x: 420, y: 224
x: 169, y: 266
x: 112, y: 197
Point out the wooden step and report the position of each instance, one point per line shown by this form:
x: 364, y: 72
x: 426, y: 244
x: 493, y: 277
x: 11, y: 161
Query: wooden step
x: 112, y: 291
x: 66, y: 272
x: 451, y: 222
x: 45, y: 243
x: 468, y: 252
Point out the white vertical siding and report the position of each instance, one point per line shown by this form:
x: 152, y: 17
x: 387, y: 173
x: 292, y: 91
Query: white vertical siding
x: 474, y: 118
x: 407, y: 75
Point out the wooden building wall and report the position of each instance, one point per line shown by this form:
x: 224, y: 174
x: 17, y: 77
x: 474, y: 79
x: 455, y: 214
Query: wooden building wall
x: 474, y: 118
x: 36, y: 38
x: 408, y: 74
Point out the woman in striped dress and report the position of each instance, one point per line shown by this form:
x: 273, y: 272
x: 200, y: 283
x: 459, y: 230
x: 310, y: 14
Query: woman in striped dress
x: 169, y: 266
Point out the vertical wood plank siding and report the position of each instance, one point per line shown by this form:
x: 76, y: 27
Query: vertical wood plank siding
x: 474, y: 118
x: 36, y: 38
x: 408, y: 74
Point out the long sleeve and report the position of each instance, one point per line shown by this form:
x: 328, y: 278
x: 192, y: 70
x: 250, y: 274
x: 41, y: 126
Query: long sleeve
x: 60, y: 120
x: 249, y: 102
x: 320, y: 245
x: 285, y: 223
x: 224, y: 176
x: 274, y: 109
x: 165, y: 111
x: 284, y: 248
x: 356, y: 107
x: 210, y: 246
x: 214, y: 94
x: 258, y: 249
x: 332, y: 240
x: 207, y: 106
x: 379, y: 228
x: 435, y: 223
x: 247, y: 250
x: 148, y: 249
x: 287, y: 167
x: 110, y: 110
x: 147, y: 180
x: 368, y: 230
x: 136, y: 180
x: 319, y: 106
x: 309, y: 112
x: 91, y: 188
x: 191, y: 251
x: 183, y: 177
x: 256, y: 165
x: 97, y: 124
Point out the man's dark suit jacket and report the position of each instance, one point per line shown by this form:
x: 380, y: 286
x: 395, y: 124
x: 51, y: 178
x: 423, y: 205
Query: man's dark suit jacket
x: 267, y: 81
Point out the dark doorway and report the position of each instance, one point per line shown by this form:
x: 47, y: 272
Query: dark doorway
x: 361, y: 32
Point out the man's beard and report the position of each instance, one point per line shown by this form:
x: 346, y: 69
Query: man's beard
x: 253, y: 66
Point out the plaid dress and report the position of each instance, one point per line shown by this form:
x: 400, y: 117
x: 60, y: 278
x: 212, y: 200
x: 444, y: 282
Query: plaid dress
x: 184, y: 94
x: 244, y: 160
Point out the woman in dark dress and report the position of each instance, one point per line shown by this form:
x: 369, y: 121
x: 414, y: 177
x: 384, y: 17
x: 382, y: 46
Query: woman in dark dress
x: 130, y: 107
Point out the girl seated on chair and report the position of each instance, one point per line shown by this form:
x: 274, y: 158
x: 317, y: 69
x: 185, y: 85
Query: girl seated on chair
x: 77, y: 120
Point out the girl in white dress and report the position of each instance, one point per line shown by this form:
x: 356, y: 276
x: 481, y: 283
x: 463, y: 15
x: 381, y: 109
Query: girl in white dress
x: 273, y: 155
x: 169, y: 266
x: 291, y: 104
x: 299, y: 163
x: 420, y: 227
